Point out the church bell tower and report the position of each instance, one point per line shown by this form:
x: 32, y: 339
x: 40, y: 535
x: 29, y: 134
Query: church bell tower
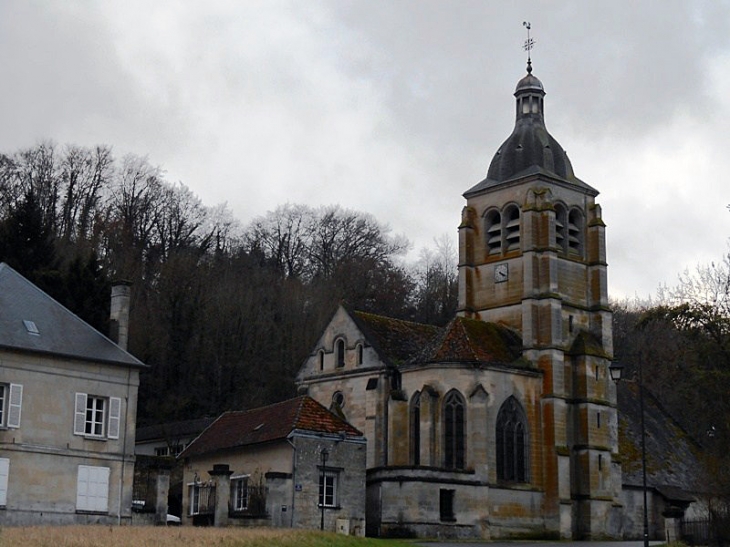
x: 532, y: 256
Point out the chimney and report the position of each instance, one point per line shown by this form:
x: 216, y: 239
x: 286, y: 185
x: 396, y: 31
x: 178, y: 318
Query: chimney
x: 119, y: 313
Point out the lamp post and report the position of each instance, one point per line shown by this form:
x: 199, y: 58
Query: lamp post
x: 616, y: 370
x: 322, y: 488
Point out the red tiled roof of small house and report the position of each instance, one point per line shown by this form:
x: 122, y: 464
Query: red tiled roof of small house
x: 269, y: 423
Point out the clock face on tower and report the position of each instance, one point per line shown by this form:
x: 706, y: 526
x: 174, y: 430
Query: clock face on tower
x: 501, y: 273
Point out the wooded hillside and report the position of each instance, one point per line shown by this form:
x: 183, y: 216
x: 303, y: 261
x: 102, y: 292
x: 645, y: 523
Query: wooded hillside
x: 224, y: 313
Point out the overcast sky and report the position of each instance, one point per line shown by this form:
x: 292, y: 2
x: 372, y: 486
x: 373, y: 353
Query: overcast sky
x: 393, y: 107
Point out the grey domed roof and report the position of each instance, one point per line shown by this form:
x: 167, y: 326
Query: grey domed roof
x: 530, y: 149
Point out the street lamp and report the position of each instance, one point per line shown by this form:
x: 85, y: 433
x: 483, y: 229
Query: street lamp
x: 322, y: 490
x: 615, y: 369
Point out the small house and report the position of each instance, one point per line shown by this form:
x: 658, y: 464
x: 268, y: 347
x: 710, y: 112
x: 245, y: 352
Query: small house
x: 291, y: 464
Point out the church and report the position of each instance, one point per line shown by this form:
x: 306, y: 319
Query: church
x: 503, y: 423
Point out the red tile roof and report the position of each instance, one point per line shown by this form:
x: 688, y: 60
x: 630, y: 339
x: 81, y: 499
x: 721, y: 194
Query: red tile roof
x: 259, y: 425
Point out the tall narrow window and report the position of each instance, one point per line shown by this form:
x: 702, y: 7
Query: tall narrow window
x: 239, y: 492
x: 340, y: 353
x: 416, y: 429
x: 321, y: 359
x: 561, y: 223
x: 512, y: 228
x: 446, y: 505
x: 359, y: 354
x: 575, y: 232
x: 328, y: 489
x: 493, y: 231
x: 511, y: 442
x: 454, y: 427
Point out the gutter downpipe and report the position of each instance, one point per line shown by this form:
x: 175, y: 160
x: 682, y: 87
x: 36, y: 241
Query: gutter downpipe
x: 124, y: 447
x: 293, y: 477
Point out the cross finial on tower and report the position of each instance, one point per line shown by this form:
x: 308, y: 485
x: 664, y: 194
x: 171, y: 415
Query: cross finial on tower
x: 529, y: 44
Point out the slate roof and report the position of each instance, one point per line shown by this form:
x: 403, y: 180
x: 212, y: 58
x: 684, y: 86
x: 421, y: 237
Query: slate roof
x: 463, y: 340
x: 60, y: 332
x: 172, y: 430
x: 529, y: 150
x: 395, y: 340
x: 671, y: 453
x: 235, y: 429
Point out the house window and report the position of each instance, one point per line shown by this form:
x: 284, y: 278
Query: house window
x: 97, y: 416
x: 416, y: 429
x: 328, y: 489
x: 92, y: 489
x: 11, y: 398
x: 359, y: 354
x: 321, y: 359
x: 446, y: 505
x: 4, y: 473
x: 512, y: 442
x: 202, y: 499
x: 239, y: 492
x: 172, y: 450
x: 340, y: 349
x: 454, y: 426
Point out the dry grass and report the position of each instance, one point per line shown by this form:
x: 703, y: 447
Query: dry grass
x: 186, y: 536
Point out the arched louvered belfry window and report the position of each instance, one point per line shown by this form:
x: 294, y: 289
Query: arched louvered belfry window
x: 415, y: 429
x: 575, y: 231
x: 561, y: 228
x: 512, y: 228
x: 511, y: 442
x: 454, y: 431
x: 493, y: 232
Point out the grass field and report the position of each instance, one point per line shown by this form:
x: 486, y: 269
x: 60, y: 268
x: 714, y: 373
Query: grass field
x: 186, y: 536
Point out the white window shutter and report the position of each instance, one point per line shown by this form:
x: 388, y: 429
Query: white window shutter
x: 115, y: 411
x: 80, y: 414
x: 15, y: 404
x: 82, y: 487
x: 92, y: 489
x: 4, y: 472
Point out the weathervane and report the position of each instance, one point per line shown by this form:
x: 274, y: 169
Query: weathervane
x: 529, y: 44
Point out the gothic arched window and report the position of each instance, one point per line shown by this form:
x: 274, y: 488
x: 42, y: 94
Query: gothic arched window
x: 454, y: 428
x: 512, y: 452
x: 415, y: 427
